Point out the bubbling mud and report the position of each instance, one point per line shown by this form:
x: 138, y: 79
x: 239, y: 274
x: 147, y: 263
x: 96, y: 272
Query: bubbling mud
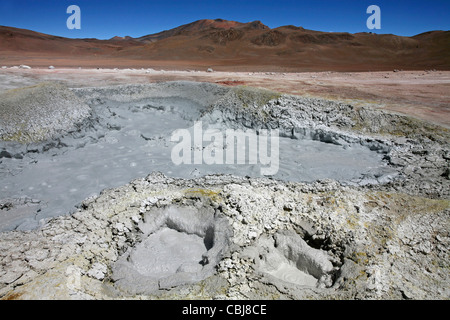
x: 127, y: 137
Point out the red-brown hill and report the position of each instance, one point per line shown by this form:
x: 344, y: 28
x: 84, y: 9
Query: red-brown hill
x: 235, y: 46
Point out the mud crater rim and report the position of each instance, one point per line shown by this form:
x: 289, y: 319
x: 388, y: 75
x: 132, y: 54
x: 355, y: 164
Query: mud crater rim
x: 177, y: 245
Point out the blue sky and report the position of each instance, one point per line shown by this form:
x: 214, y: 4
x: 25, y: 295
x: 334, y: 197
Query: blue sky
x: 105, y: 19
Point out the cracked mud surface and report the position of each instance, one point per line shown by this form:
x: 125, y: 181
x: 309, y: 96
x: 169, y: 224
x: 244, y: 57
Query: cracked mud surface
x: 381, y: 234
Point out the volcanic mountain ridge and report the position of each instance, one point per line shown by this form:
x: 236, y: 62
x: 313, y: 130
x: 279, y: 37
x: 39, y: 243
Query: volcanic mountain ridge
x: 233, y: 46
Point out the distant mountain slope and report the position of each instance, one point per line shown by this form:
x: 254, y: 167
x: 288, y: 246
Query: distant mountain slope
x: 233, y: 44
x: 202, y: 26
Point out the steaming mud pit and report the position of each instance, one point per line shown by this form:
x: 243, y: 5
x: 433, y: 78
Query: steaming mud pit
x: 358, y: 208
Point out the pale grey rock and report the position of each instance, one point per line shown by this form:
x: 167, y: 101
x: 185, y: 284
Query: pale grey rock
x: 303, y: 254
x: 98, y: 271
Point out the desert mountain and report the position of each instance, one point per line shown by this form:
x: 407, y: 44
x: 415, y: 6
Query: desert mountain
x: 234, y: 45
x: 203, y: 26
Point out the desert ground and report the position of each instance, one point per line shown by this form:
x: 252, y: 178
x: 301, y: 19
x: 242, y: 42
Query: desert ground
x: 422, y: 94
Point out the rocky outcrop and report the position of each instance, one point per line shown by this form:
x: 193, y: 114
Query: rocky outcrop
x: 342, y: 242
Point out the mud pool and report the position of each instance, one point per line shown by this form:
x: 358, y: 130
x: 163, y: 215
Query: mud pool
x: 122, y: 141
